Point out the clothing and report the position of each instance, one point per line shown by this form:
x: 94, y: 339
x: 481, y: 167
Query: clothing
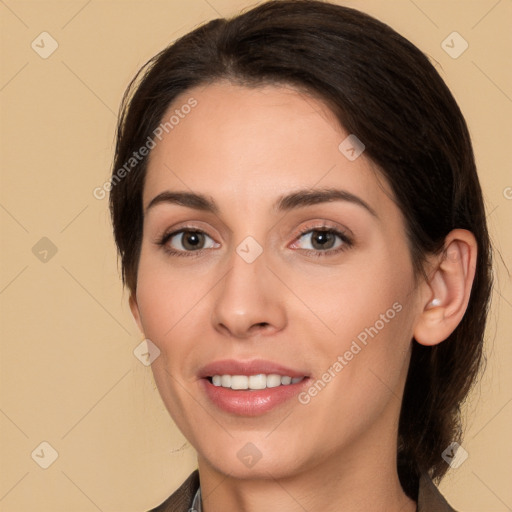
x: 197, y: 504
x: 429, y: 497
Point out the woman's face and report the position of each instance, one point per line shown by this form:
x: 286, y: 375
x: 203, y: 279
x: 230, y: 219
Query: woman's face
x: 283, y: 256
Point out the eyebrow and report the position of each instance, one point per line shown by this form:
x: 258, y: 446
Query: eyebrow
x: 288, y: 202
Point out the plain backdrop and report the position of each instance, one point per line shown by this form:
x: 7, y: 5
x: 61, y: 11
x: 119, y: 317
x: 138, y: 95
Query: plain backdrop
x: 68, y: 373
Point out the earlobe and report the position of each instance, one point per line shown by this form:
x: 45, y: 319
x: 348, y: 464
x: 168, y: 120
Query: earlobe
x: 449, y: 289
x: 134, y: 307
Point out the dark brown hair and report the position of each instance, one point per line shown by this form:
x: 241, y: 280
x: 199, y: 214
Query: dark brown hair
x: 384, y: 90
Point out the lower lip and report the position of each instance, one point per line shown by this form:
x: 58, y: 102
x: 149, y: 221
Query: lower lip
x: 251, y: 402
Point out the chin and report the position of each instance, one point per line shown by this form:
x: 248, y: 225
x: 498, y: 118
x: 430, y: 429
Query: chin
x: 261, y: 467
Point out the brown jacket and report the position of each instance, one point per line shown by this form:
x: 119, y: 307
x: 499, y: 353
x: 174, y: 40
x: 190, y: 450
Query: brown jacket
x: 429, y: 498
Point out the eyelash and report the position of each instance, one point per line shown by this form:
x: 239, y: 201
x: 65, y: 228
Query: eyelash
x: 344, y: 237
x: 172, y: 252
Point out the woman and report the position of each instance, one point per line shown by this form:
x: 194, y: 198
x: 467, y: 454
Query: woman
x: 302, y: 231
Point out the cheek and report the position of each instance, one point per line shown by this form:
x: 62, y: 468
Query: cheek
x: 164, y: 296
x: 370, y: 315
x: 167, y: 306
x: 174, y: 308
x: 353, y: 298
x: 360, y: 374
x: 162, y: 305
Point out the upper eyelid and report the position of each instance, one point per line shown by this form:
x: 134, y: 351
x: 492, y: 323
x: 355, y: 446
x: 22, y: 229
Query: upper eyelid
x: 317, y: 222
x: 168, y: 232
x: 325, y: 226
x: 320, y: 226
x: 346, y: 238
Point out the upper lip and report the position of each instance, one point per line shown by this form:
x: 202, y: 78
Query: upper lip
x: 253, y: 367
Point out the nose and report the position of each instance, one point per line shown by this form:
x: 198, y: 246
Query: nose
x: 249, y: 301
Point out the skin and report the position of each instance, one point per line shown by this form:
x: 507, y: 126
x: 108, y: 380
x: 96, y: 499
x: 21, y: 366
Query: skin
x: 245, y: 148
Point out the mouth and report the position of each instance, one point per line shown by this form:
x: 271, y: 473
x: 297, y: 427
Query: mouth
x: 253, y: 382
x: 250, y: 388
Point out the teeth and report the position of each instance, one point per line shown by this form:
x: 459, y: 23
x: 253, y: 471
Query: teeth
x: 260, y: 381
x: 273, y: 380
x: 239, y: 382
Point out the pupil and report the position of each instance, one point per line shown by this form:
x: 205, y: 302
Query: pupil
x: 192, y: 240
x: 323, y: 240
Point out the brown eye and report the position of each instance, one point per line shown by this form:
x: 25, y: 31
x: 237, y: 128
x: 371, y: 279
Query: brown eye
x: 188, y: 240
x: 192, y: 240
x: 321, y: 240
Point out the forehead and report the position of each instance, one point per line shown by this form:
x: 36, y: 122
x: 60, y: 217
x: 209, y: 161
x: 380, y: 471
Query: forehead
x: 244, y: 144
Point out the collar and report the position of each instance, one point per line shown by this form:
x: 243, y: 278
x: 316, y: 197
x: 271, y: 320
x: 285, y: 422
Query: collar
x: 196, y: 502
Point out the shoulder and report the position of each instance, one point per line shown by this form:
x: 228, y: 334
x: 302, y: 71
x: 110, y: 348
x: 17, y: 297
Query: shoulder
x: 429, y: 497
x: 181, y: 499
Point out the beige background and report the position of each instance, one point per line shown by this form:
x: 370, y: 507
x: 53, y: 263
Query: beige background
x: 68, y: 373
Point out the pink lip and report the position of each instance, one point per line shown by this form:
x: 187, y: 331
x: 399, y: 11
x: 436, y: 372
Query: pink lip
x: 249, y: 402
x: 254, y: 367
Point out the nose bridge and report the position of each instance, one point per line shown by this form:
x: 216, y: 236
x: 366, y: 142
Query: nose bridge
x: 246, y: 300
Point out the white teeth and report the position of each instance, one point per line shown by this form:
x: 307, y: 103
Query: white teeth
x: 260, y: 381
x: 273, y: 380
x: 239, y: 382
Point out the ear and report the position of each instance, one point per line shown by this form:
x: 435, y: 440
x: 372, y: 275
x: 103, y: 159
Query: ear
x: 134, y: 307
x: 448, y: 289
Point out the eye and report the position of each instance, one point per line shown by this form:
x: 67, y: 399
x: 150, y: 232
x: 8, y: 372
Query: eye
x: 322, y: 240
x: 187, y: 240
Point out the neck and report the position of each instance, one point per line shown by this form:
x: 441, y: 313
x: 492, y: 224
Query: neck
x: 352, y: 480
